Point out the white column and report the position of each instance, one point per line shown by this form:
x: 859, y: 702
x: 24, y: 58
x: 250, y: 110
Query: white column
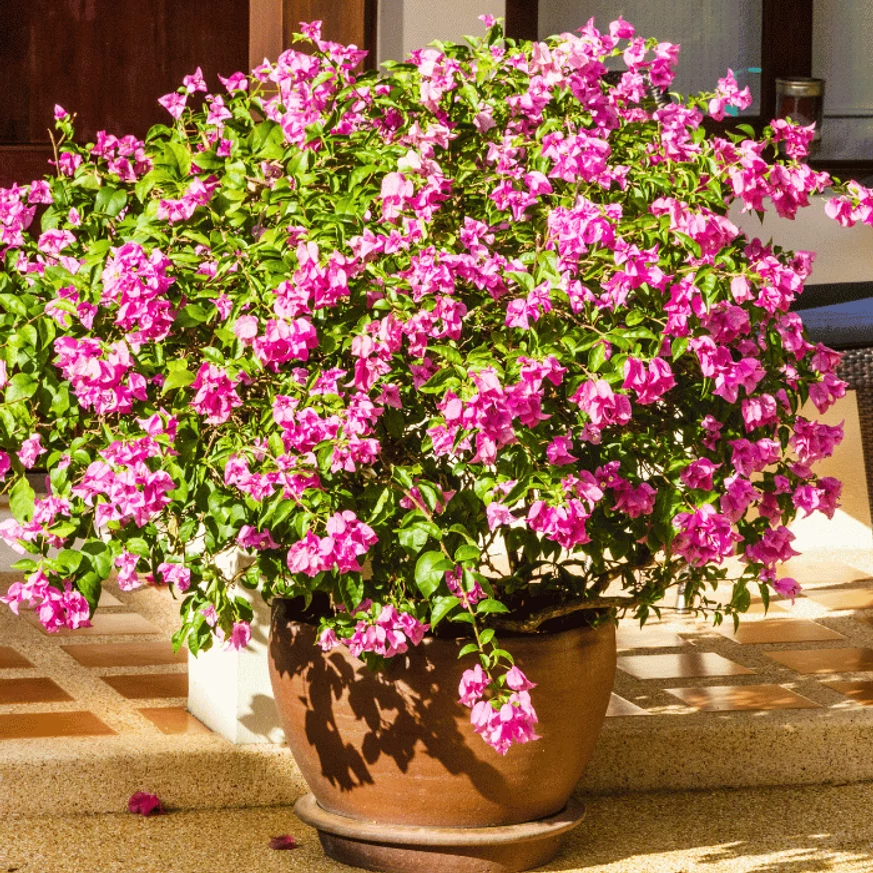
x: 230, y: 691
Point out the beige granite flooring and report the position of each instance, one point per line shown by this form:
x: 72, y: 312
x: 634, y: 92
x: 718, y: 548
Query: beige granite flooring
x: 763, y: 830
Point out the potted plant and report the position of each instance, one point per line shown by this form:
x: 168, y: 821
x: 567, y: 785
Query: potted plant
x: 464, y: 357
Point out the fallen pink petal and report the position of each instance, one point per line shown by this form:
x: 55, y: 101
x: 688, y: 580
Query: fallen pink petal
x: 286, y: 841
x: 142, y: 803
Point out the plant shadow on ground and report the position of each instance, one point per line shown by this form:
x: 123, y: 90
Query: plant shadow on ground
x: 765, y: 830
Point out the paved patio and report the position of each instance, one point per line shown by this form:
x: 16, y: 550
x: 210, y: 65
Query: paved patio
x: 775, y: 830
x: 87, y: 718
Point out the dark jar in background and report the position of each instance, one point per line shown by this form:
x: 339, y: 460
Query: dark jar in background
x: 802, y: 100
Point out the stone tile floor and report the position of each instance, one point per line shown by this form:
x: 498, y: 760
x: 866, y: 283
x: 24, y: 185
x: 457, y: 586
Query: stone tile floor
x: 818, y: 654
x: 753, y: 693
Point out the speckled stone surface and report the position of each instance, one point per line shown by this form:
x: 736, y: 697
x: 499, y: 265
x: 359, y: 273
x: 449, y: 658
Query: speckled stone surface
x: 780, y: 830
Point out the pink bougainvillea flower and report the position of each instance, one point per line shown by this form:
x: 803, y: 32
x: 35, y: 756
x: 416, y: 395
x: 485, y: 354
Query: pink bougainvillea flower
x: 787, y: 587
x: 240, y: 636
x: 30, y: 451
x: 142, y: 803
x: 194, y: 82
x: 174, y: 103
x: 128, y: 579
x: 235, y: 82
x: 283, y: 842
x: 176, y: 575
x: 473, y: 684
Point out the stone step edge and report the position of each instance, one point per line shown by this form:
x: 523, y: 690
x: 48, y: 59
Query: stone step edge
x: 741, y: 753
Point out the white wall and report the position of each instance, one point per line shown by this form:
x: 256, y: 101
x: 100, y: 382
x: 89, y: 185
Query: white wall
x: 405, y: 25
x: 842, y: 53
x: 714, y: 34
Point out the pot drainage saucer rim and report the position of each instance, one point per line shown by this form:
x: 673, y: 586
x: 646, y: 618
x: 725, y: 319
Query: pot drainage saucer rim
x: 308, y: 811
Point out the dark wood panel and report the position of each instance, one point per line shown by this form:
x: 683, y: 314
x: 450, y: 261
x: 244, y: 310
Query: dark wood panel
x: 22, y: 164
x: 109, y: 60
x: 522, y: 19
x: 786, y: 47
x: 352, y: 22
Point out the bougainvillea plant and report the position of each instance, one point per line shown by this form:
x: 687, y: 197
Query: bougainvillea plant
x: 468, y: 345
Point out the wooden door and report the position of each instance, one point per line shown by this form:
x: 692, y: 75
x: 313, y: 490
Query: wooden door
x: 107, y: 61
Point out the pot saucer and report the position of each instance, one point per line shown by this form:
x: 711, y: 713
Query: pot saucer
x: 412, y: 848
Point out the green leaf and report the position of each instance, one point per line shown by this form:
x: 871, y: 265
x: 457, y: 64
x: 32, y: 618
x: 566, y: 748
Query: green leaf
x: 441, y: 607
x: 21, y: 499
x: 21, y: 386
x: 429, y: 571
x: 351, y: 586
x: 596, y: 357
x: 99, y: 556
x: 69, y: 560
x: 110, y: 200
x: 413, y: 538
x: 486, y: 636
x: 468, y: 553
x: 177, y: 379
x: 469, y: 648
x: 176, y: 155
x: 11, y: 303
x: 91, y: 586
x: 490, y: 605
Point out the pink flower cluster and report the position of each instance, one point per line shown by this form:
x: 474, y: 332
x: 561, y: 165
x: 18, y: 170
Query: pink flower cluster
x: 100, y: 376
x: 199, y: 193
x: 125, y: 156
x: 490, y: 414
x: 504, y: 719
x: 47, y: 511
x: 137, y: 283
x: 386, y: 635
x: 122, y: 487
x: 347, y: 539
x: 704, y: 536
x: 603, y: 407
x: 56, y: 607
x: 216, y: 395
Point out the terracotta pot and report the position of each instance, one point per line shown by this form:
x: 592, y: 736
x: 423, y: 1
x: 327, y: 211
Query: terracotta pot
x: 395, y: 748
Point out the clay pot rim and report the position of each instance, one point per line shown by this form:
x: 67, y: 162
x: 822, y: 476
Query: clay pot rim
x: 515, y: 636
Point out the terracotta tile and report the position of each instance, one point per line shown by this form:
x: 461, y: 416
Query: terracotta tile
x: 826, y: 660
x: 174, y: 720
x: 632, y: 636
x: 778, y: 630
x: 39, y: 690
x: 30, y: 725
x: 618, y: 706
x: 104, y: 623
x: 149, y: 685
x: 680, y: 666
x: 860, y: 690
x: 850, y: 598
x: 126, y: 654
x: 731, y: 698
x: 10, y: 658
